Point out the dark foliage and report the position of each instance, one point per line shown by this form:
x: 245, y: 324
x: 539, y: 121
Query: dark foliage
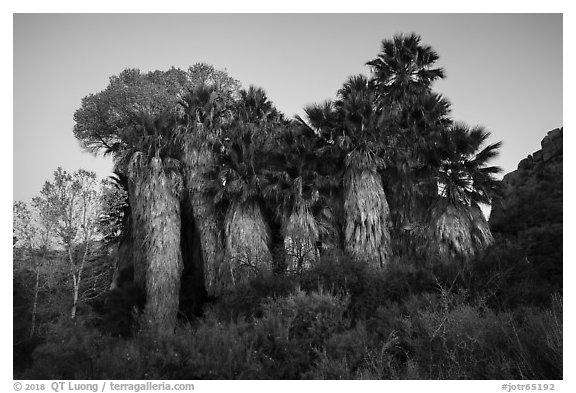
x: 23, y: 343
x: 430, y: 335
x: 119, y: 310
x: 247, y: 300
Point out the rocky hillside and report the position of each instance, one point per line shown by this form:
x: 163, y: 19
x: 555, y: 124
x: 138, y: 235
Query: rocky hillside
x: 533, y: 192
x: 530, y: 211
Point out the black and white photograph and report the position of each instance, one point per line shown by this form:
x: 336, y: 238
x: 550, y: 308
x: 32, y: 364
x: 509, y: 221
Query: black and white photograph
x: 287, y: 196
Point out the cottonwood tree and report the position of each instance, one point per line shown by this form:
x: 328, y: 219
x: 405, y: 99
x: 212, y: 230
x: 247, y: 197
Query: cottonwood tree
x: 69, y: 206
x: 31, y: 245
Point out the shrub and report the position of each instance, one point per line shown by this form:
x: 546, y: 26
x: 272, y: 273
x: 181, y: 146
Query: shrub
x: 293, y: 330
x: 536, y: 340
x: 212, y: 351
x: 443, y: 322
x: 68, y: 352
x: 247, y: 299
x: 507, y: 277
x: 119, y: 310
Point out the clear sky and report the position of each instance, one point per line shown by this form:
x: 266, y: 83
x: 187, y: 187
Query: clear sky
x: 504, y: 71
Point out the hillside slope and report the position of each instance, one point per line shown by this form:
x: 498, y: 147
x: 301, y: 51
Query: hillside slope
x: 530, y: 211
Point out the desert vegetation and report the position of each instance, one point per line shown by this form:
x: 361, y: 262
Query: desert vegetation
x: 235, y: 242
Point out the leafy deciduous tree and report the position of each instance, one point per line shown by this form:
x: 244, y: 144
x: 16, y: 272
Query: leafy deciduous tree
x: 69, y: 205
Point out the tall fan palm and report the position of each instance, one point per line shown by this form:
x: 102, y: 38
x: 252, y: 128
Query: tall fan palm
x: 354, y: 125
x: 459, y: 229
x: 301, y: 232
x: 403, y: 73
x: 240, y: 186
x: 404, y: 70
x: 411, y: 183
x: 298, y: 191
x: 247, y: 236
x: 148, y: 159
x: 254, y: 107
x: 205, y: 113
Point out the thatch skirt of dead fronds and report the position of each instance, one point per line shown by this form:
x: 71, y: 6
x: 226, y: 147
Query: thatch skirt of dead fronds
x: 135, y: 236
x: 247, y: 242
x: 159, y: 194
x: 197, y: 164
x: 409, y: 207
x: 482, y: 237
x: 458, y: 232
x: 367, y: 217
x: 128, y: 256
x: 300, y: 236
x: 330, y: 219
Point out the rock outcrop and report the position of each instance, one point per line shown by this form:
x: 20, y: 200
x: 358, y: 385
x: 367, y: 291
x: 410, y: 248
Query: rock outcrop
x: 532, y: 194
x: 530, y: 215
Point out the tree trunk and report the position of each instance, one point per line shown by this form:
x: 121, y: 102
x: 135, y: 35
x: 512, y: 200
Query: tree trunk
x: 410, y: 205
x: 159, y: 193
x: 75, y: 299
x: 135, y: 236
x: 75, y: 281
x: 35, y: 303
x: 247, y: 242
x: 198, y: 165
x: 367, y: 217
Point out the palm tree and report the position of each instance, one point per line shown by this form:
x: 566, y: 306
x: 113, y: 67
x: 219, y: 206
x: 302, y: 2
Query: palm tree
x: 297, y: 189
x: 240, y: 182
x: 410, y: 178
x: 247, y: 236
x: 458, y: 228
x: 301, y: 232
x: 403, y: 73
x: 205, y: 111
x: 149, y: 159
x: 354, y: 125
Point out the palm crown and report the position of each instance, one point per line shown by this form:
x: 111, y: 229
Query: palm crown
x: 149, y: 137
x: 463, y: 175
x: 404, y: 67
x: 242, y: 145
x: 204, y: 112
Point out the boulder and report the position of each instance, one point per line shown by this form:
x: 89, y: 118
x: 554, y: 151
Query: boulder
x: 552, y: 144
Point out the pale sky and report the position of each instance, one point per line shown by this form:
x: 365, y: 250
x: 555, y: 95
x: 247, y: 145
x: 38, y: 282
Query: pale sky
x: 504, y: 71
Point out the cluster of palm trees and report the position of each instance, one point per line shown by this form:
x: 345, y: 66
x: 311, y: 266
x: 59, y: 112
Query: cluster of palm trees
x: 380, y: 172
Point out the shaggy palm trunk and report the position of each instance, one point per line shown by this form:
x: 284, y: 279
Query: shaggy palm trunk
x: 367, y: 217
x: 134, y: 254
x: 330, y: 223
x: 247, y: 242
x: 409, y: 205
x: 300, y: 237
x: 481, y: 235
x: 458, y: 232
x: 158, y: 196
x: 199, y: 162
